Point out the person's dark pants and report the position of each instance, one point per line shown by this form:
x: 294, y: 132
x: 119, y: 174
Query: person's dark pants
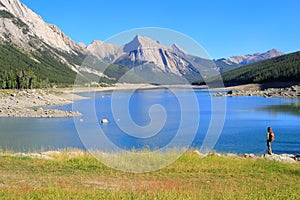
x: 269, y: 147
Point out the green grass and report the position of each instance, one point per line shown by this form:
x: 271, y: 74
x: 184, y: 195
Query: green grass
x: 190, y: 177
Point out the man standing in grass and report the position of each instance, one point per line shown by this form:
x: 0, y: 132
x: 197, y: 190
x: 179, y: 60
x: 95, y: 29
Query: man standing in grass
x: 270, y: 139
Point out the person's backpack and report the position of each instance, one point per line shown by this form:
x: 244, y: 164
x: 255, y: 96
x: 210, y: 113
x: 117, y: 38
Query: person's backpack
x: 271, y: 137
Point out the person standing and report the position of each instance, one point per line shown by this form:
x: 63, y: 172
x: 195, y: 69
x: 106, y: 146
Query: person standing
x: 270, y: 139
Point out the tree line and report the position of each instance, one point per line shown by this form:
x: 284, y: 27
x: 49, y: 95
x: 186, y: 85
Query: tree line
x: 21, y: 79
x: 280, y: 69
x: 284, y: 68
x: 37, y: 69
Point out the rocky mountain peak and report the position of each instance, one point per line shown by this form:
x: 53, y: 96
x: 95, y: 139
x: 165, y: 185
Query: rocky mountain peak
x: 275, y: 52
x: 143, y: 51
x: 96, y: 42
x: 140, y: 42
x: 177, y: 49
x: 15, y: 7
x: 35, y: 27
x: 82, y: 45
x: 104, y: 51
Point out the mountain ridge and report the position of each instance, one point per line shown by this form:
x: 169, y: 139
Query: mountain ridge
x: 250, y: 58
x: 172, y: 59
x: 143, y: 50
x: 34, y: 46
x: 37, y: 27
x: 21, y: 27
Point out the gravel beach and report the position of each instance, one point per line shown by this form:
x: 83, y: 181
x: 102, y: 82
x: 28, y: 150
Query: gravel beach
x: 31, y: 103
x: 255, y: 90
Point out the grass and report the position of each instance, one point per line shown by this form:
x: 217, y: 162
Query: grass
x: 189, y: 177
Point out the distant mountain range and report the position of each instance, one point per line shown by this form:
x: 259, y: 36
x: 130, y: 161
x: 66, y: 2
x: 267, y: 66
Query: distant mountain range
x: 52, y: 55
x: 143, y: 49
x: 248, y: 59
x: 237, y: 61
x: 285, y: 68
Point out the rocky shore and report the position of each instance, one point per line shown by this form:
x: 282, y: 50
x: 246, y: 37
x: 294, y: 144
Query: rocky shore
x: 52, y: 155
x: 286, y: 158
x: 31, y: 103
x: 288, y: 92
x: 47, y: 155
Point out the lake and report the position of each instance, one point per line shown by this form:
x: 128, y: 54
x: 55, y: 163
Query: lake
x: 155, y: 118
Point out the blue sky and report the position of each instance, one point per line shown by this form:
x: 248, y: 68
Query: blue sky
x: 223, y: 27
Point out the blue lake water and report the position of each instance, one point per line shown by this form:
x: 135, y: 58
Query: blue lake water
x: 158, y: 114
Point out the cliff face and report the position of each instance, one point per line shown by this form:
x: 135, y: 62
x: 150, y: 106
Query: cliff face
x: 21, y: 26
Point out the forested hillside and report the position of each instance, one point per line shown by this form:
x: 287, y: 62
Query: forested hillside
x: 284, y: 68
x: 39, y: 69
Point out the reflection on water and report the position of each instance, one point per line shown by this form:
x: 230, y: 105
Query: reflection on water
x: 31, y: 134
x: 293, y: 108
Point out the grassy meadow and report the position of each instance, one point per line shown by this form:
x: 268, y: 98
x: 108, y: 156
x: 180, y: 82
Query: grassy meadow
x: 190, y: 177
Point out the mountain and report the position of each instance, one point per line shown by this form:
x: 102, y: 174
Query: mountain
x: 237, y: 61
x: 105, y: 51
x: 285, y: 68
x: 148, y: 58
x: 42, y: 44
x: 248, y: 59
x: 151, y: 56
x: 145, y: 50
x: 28, y: 45
x: 25, y: 28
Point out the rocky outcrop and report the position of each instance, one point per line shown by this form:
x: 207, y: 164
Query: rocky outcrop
x: 289, y: 92
x: 286, y: 158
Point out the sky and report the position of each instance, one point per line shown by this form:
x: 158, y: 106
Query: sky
x: 223, y: 28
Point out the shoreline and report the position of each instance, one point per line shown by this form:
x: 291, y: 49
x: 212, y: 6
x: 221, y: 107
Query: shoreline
x: 75, y: 175
x: 31, y: 103
x: 126, y: 86
x: 75, y: 153
x: 284, y: 91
